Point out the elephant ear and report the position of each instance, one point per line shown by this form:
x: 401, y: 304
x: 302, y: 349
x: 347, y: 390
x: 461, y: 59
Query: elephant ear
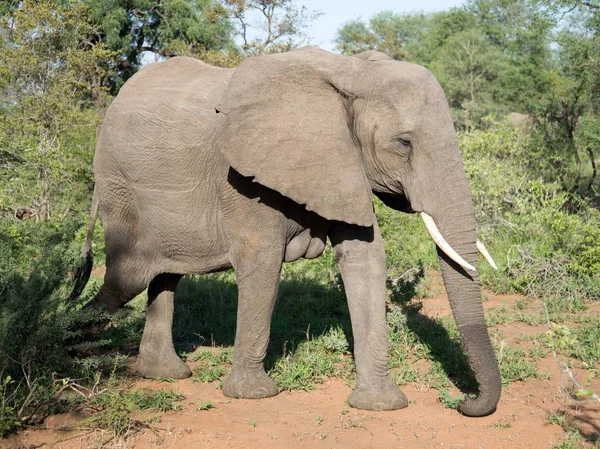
x: 287, y: 126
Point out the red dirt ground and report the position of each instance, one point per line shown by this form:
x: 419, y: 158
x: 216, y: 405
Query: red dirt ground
x: 321, y: 418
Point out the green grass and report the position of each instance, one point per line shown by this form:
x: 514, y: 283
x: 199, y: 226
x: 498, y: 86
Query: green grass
x: 449, y: 401
x: 573, y: 440
x: 113, y: 409
x: 214, y: 366
x: 587, y: 348
x: 516, y: 365
x: 205, y: 405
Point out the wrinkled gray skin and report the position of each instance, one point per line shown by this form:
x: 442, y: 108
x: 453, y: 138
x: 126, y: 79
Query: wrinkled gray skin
x: 200, y: 169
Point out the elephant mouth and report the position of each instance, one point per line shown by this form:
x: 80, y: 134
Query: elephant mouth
x: 396, y: 202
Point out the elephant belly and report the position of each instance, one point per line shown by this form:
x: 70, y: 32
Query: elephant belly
x: 305, y: 245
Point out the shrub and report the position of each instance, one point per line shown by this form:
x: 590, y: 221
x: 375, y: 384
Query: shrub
x: 37, y: 327
x: 546, y: 240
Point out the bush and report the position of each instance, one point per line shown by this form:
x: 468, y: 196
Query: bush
x: 37, y: 333
x: 545, y: 239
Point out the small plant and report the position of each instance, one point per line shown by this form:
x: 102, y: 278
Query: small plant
x: 449, y: 401
x: 506, y: 422
x: 573, y: 440
x: 209, y: 374
x: 114, y: 407
x: 206, y: 405
x: 162, y: 400
x: 335, y: 340
x: 515, y: 365
x: 319, y: 420
x: 557, y: 418
x: 502, y: 425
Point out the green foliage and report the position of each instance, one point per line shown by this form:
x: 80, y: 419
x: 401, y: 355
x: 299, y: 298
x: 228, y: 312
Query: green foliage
x: 516, y: 365
x: 547, y: 239
x: 115, y: 406
x: 53, y: 87
x: 163, y: 29
x: 448, y: 400
x: 573, y: 440
x: 310, y: 363
x: 206, y: 405
x: 38, y: 329
x: 582, y: 344
x: 283, y: 24
x: 490, y: 56
x: 209, y: 374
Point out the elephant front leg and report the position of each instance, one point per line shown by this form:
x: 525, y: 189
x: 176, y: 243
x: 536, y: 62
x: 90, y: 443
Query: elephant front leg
x: 361, y: 257
x: 258, y: 281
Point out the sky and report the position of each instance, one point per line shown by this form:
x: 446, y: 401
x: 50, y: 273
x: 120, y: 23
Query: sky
x: 338, y: 12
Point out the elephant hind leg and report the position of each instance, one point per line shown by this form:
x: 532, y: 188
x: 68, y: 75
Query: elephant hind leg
x: 120, y: 286
x: 157, y: 356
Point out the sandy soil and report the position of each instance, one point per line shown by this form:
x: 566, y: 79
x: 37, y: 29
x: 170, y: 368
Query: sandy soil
x: 321, y: 418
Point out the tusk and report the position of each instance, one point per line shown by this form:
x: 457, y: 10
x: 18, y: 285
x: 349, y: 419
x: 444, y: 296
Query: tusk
x: 485, y: 254
x: 440, y: 241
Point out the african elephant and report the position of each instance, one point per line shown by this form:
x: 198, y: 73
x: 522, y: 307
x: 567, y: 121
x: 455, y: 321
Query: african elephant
x: 200, y: 169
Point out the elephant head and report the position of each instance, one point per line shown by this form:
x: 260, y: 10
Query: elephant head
x: 328, y: 130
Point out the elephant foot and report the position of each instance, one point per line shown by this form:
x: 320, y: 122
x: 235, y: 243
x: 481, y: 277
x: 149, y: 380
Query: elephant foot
x: 384, y: 395
x: 249, y: 385
x: 167, y: 366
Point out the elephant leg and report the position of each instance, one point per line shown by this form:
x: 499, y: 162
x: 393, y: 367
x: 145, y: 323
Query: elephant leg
x: 258, y: 281
x: 125, y: 276
x: 157, y: 356
x: 116, y: 291
x: 361, y: 258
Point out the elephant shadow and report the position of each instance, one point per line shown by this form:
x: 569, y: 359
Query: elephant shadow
x: 206, y: 306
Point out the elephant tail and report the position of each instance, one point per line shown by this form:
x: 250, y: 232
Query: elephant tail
x: 82, y: 273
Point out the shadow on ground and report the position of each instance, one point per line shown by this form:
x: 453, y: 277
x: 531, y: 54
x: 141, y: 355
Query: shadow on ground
x: 205, y: 315
x: 206, y: 308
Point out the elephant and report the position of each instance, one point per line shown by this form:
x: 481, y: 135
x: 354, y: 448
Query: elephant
x: 200, y: 169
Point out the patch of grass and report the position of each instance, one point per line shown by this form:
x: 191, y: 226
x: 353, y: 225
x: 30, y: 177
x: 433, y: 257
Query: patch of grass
x: 206, y: 405
x: 208, y: 374
x: 558, y: 418
x: 587, y: 346
x: 515, y: 365
x: 310, y: 363
x: 573, y: 440
x: 113, y: 409
x: 496, y: 316
x: 214, y: 364
x: 335, y: 340
x: 530, y: 318
x: 449, y: 401
x: 161, y: 400
x: 210, y: 358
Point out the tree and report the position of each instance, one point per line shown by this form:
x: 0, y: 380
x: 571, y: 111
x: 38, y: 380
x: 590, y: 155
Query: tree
x: 491, y: 56
x: 53, y: 84
x: 282, y: 25
x: 468, y: 67
x: 163, y: 28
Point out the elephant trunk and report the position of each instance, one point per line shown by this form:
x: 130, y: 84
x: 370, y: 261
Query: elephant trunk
x: 456, y: 221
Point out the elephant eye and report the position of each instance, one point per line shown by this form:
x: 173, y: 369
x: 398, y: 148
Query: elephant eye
x: 405, y: 141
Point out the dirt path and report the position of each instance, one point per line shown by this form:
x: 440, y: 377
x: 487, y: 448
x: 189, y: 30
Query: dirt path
x: 322, y: 419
